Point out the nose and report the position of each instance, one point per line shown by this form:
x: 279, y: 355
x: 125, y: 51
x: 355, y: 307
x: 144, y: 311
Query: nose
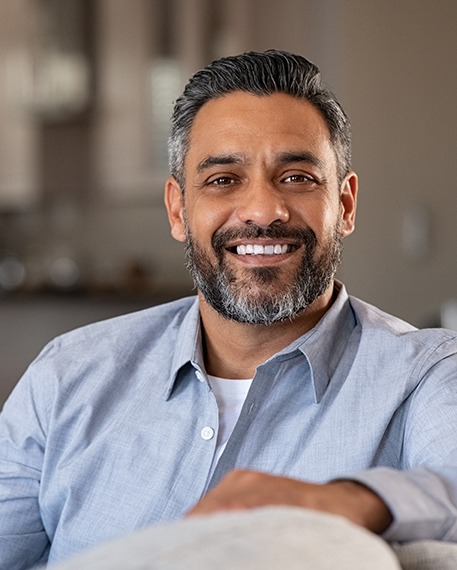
x: 262, y: 204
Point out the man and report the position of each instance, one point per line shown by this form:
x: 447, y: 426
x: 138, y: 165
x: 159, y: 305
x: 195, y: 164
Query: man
x: 272, y: 386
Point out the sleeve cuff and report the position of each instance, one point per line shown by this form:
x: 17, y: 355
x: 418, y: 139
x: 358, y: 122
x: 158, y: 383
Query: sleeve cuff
x: 418, y: 500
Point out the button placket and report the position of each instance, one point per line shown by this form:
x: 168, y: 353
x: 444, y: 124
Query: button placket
x: 207, y: 433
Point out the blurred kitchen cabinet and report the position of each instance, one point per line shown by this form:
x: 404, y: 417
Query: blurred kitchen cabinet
x: 45, y: 79
x: 87, y: 89
x: 18, y: 132
x: 121, y: 133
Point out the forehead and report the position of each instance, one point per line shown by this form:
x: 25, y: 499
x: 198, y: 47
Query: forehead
x: 251, y: 124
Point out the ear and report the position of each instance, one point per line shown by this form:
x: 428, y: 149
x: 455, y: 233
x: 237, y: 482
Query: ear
x: 348, y: 200
x: 175, y: 209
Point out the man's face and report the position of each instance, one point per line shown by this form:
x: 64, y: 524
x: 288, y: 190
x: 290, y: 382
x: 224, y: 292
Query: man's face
x: 263, y: 215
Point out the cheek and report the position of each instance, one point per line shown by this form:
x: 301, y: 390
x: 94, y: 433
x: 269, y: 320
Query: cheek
x: 323, y: 221
x: 207, y: 216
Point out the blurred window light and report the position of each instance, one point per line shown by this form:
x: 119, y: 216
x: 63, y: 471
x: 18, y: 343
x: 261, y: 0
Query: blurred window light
x: 12, y: 273
x: 61, y: 85
x: 165, y: 88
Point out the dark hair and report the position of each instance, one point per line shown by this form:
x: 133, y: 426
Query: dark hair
x: 264, y: 73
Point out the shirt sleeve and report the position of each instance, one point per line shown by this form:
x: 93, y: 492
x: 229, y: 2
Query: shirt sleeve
x: 23, y: 540
x: 422, y: 493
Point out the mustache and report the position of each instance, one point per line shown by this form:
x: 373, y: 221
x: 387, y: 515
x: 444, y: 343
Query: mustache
x: 305, y: 236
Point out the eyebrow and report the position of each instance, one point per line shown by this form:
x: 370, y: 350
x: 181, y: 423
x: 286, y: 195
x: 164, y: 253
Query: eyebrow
x: 284, y: 158
x: 292, y: 157
x: 219, y: 160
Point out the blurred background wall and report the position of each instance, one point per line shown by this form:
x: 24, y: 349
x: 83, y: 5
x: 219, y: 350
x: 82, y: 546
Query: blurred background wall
x: 86, y: 91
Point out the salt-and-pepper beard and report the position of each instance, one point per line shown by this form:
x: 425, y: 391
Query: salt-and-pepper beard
x: 234, y: 297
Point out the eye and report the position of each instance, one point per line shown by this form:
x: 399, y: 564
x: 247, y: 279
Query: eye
x: 298, y: 179
x: 221, y: 181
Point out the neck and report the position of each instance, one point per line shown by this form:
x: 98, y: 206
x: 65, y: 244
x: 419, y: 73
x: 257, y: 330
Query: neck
x: 235, y: 350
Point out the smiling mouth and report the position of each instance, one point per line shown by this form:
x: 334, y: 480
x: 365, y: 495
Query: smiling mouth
x: 257, y: 249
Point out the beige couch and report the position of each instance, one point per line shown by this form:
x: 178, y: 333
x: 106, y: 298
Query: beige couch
x: 273, y: 538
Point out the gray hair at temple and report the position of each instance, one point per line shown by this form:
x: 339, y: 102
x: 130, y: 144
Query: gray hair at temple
x: 264, y: 73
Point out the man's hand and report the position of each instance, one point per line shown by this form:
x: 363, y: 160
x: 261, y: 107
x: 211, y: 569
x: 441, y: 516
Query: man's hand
x: 242, y: 490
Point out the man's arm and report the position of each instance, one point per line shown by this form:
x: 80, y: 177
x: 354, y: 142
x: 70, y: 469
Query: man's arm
x: 241, y: 490
x: 23, y: 540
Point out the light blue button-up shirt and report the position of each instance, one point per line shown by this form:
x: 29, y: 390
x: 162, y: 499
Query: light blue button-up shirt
x: 114, y: 426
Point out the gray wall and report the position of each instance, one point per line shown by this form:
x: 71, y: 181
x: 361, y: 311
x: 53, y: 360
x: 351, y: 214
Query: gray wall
x: 398, y: 81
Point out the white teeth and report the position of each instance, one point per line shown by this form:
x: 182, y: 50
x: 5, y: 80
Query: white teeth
x: 256, y: 249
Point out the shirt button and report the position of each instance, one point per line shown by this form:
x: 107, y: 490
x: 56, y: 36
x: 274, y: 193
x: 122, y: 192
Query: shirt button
x: 207, y: 433
x: 199, y: 376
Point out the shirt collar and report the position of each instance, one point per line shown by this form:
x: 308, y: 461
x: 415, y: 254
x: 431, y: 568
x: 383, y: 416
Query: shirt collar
x: 188, y: 347
x: 322, y: 346
x: 325, y: 344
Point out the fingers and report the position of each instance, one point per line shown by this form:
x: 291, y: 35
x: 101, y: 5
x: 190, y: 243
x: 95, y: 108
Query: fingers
x: 243, y: 489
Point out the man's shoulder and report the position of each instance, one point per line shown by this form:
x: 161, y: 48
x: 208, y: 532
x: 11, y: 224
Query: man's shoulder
x: 371, y: 316
x: 159, y: 322
x: 131, y: 354
x: 378, y: 324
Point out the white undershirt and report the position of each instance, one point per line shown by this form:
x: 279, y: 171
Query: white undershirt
x: 230, y: 396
